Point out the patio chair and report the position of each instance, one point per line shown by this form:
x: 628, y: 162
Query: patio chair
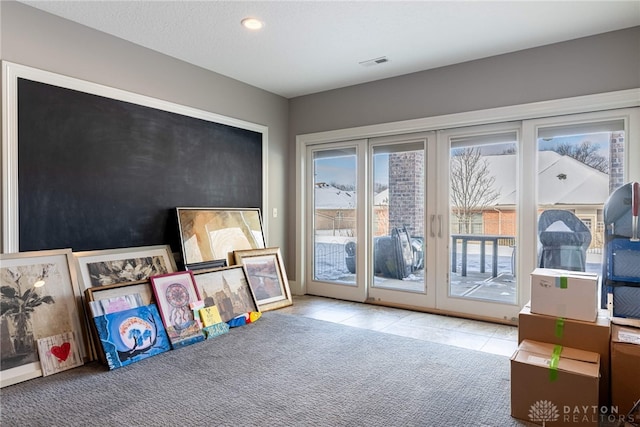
x: 396, y: 256
x: 564, y: 241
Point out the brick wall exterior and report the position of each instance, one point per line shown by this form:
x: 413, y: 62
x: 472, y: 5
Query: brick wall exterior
x: 406, y: 191
x: 499, y: 223
x: 616, y: 161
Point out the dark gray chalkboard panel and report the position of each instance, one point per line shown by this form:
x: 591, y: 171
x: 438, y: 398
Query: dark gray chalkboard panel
x: 98, y: 173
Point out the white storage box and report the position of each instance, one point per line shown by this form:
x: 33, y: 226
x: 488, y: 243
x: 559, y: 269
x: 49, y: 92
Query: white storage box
x: 564, y: 293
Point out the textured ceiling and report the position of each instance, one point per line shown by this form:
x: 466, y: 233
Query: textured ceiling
x: 312, y: 46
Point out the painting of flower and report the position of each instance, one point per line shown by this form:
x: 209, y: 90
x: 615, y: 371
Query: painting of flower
x: 38, y: 299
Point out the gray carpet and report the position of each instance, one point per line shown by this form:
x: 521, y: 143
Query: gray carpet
x: 282, y: 370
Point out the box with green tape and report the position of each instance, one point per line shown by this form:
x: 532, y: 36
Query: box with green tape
x: 590, y: 336
x: 552, y: 385
x: 563, y: 293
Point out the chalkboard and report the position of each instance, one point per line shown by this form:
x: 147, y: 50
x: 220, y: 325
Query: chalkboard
x: 100, y: 173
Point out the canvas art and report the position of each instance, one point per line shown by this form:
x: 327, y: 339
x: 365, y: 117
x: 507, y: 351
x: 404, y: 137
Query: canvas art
x: 131, y: 335
x: 227, y: 289
x: 38, y: 299
x: 174, y: 293
x: 209, y: 234
x: 58, y: 353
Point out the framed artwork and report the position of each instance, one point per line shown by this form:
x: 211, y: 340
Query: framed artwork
x: 267, y: 277
x: 109, y: 293
x: 39, y: 298
x: 131, y: 335
x: 111, y: 266
x: 209, y: 234
x: 174, y: 293
x: 228, y: 289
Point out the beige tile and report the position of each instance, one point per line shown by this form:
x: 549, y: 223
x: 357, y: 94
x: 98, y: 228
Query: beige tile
x: 499, y: 346
x: 439, y: 335
x: 485, y: 336
x: 432, y: 321
x: 336, y: 315
x: 507, y: 332
x: 480, y: 328
x: 373, y: 320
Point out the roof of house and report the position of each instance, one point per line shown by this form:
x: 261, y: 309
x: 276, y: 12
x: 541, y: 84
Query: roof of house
x: 330, y: 197
x: 562, y: 180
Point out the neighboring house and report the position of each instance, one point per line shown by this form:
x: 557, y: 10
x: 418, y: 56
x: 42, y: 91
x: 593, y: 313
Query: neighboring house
x: 334, y: 210
x: 563, y: 183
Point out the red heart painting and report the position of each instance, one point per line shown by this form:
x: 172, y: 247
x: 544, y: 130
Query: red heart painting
x: 61, y: 352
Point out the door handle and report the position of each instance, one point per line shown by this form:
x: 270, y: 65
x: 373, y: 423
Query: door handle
x: 440, y: 226
x: 431, y: 232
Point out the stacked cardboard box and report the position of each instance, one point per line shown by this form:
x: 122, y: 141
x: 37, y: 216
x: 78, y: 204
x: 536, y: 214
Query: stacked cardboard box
x: 560, y: 371
x: 625, y: 367
x: 555, y: 385
x: 589, y: 336
x: 566, y: 294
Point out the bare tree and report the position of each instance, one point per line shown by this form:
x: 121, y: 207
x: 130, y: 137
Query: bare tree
x: 471, y: 186
x: 587, y: 153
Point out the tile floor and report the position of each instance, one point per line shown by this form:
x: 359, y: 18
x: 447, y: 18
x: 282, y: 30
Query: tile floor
x: 484, y: 336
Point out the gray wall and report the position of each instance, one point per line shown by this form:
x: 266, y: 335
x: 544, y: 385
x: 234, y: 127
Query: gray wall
x: 41, y: 40
x: 603, y: 63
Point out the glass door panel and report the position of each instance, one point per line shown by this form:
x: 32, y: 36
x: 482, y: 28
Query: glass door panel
x: 482, y: 199
x: 579, y: 165
x: 397, y: 237
x: 482, y: 189
x: 333, y: 184
x: 401, y: 258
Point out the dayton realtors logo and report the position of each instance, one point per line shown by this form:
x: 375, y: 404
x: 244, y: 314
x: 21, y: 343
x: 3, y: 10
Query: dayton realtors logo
x: 543, y: 411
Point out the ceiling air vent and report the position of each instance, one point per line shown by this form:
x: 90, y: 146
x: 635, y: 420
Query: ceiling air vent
x: 376, y: 61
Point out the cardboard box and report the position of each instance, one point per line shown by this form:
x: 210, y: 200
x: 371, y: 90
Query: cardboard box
x: 589, y: 336
x: 554, y: 385
x: 563, y: 293
x: 625, y: 367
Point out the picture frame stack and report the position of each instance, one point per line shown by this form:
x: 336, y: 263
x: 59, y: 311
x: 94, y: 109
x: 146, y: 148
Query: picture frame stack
x: 60, y: 309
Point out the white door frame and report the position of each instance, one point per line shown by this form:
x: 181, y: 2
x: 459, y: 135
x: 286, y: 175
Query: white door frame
x: 580, y: 104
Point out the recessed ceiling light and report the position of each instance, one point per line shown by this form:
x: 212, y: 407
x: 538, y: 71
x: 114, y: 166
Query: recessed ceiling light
x: 252, y: 23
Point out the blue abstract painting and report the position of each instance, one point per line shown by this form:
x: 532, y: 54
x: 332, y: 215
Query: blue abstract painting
x: 131, y: 335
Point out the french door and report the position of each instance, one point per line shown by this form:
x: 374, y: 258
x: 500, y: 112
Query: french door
x: 368, y: 237
x: 480, y: 192
x: 401, y: 238
x: 336, y: 218
x: 448, y: 220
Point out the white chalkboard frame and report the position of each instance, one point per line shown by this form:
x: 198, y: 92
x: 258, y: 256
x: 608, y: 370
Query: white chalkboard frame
x: 10, y: 138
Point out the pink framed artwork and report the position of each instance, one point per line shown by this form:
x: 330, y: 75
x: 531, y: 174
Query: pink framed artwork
x: 173, y: 293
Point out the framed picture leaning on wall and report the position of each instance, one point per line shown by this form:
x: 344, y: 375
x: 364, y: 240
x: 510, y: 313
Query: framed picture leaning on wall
x: 228, y: 289
x: 174, y: 293
x: 209, y: 234
x: 267, y: 277
x: 123, y: 265
x: 107, y: 267
x: 39, y: 298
